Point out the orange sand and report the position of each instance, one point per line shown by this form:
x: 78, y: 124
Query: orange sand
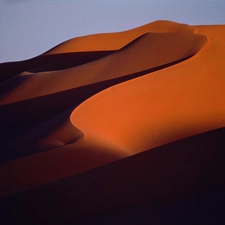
x: 100, y: 98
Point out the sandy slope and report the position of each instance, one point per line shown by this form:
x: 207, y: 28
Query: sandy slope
x: 161, y: 107
x: 101, y: 98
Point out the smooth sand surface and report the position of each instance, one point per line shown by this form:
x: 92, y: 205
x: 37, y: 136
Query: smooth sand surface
x: 98, y: 100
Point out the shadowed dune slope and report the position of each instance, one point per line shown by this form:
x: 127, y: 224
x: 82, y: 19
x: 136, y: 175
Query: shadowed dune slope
x: 105, y: 122
x: 145, y: 53
x: 156, y: 177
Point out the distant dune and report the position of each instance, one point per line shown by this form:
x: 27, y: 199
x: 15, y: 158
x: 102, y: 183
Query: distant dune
x: 117, y: 128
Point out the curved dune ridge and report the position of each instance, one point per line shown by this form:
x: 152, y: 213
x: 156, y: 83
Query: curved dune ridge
x: 126, y: 103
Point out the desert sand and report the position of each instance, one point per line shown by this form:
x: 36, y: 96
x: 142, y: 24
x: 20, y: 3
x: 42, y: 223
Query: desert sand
x: 106, y: 122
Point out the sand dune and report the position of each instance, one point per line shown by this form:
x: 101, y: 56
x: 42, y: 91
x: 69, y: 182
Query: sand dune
x: 111, y: 121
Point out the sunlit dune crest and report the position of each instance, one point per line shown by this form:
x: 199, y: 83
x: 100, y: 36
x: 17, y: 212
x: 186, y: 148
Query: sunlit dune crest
x: 146, y: 100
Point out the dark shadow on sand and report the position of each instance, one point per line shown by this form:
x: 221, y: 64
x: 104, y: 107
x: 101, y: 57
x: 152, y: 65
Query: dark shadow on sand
x: 49, y: 63
x: 183, y: 173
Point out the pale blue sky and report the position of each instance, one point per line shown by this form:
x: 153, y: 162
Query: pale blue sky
x: 31, y: 27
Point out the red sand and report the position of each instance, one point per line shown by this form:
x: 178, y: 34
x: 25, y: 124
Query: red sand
x: 101, y: 98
